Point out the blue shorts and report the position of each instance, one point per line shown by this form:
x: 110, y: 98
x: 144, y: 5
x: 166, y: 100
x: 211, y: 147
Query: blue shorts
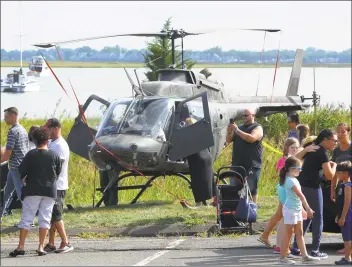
x: 346, y: 230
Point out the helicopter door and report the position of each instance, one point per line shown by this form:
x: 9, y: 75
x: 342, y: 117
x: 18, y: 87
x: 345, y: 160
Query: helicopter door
x: 80, y: 136
x: 191, y: 131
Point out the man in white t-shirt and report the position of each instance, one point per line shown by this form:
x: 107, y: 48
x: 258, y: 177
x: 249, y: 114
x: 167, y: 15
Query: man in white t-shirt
x: 60, y: 146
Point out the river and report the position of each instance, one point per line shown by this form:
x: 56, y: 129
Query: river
x: 332, y: 84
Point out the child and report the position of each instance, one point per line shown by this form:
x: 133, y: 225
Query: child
x: 292, y: 211
x: 290, y: 148
x: 344, y: 209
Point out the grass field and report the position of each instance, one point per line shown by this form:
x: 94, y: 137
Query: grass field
x: 77, y: 64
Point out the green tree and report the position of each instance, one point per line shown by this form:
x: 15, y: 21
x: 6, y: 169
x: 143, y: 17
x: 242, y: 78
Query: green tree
x: 154, y: 56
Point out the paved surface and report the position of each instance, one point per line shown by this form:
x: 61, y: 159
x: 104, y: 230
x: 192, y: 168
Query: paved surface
x: 172, y: 251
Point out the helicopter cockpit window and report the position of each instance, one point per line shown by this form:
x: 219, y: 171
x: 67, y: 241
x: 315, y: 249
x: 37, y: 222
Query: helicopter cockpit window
x: 147, y: 117
x: 191, y: 112
x: 113, y: 118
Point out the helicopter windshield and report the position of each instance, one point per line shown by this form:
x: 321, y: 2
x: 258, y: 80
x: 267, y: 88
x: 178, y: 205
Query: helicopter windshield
x: 144, y: 117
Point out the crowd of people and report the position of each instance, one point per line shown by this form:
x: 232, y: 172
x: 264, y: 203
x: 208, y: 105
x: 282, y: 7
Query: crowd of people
x: 38, y: 172
x: 302, y: 169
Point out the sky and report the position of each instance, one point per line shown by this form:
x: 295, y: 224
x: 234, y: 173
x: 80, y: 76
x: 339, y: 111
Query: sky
x: 325, y: 25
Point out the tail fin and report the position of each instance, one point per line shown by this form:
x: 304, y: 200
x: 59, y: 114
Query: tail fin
x: 292, y: 89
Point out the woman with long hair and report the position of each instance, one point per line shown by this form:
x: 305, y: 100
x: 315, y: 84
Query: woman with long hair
x: 316, y: 164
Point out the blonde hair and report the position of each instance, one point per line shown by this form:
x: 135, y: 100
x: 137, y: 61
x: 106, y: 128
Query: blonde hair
x: 303, y: 131
x: 289, y: 142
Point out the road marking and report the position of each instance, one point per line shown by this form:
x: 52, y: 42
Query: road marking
x: 160, y: 253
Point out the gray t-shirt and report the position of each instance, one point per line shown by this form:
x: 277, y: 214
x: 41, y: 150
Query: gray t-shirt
x: 17, y: 141
x: 339, y: 156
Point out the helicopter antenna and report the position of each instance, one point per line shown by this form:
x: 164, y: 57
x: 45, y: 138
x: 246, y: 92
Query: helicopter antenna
x: 135, y: 88
x: 182, y: 52
x: 139, y: 83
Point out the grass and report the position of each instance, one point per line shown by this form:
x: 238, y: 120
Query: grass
x: 83, y: 177
x: 87, y: 64
x: 144, y: 214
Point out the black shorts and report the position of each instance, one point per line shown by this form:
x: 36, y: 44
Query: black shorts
x: 58, y: 206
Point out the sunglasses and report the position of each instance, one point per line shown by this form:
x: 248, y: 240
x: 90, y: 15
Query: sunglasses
x: 246, y: 115
x: 298, y: 168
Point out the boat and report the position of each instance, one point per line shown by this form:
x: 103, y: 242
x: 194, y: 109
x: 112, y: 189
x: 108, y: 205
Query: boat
x: 37, y: 67
x: 17, y: 82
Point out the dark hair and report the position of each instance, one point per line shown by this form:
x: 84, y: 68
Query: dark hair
x: 303, y: 132
x: 40, y: 136
x: 294, y: 118
x: 345, y: 166
x: 31, y: 131
x: 12, y: 110
x: 325, y: 133
x: 289, y: 163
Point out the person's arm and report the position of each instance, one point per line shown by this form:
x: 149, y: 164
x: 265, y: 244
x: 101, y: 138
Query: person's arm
x: 24, y: 167
x: 255, y: 135
x: 329, y: 170
x: 333, y: 180
x: 230, y: 133
x: 304, y: 151
x: 346, y: 205
x: 10, y: 145
x: 59, y: 163
x: 304, y: 201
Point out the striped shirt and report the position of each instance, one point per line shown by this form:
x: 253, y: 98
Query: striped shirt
x: 17, y: 141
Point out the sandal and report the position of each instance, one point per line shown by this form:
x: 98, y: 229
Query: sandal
x: 266, y: 242
x: 16, y: 253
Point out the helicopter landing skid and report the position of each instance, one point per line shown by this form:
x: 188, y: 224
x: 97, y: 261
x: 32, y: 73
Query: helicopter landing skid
x: 115, y: 179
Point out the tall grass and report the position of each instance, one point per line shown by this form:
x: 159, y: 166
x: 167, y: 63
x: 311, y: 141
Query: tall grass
x: 83, y: 177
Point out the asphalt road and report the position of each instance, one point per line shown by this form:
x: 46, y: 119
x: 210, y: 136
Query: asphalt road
x: 175, y: 251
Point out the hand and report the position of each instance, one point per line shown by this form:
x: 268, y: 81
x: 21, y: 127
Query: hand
x: 341, y: 221
x: 304, y: 214
x: 310, y: 213
x: 333, y: 195
x: 232, y: 127
x: 24, y: 181
x: 311, y: 148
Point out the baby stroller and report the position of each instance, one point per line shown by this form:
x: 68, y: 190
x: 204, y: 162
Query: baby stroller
x: 229, y: 196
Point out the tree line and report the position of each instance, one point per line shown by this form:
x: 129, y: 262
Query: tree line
x: 213, y: 55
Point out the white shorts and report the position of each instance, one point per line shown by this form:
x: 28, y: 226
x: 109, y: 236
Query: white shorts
x: 291, y: 216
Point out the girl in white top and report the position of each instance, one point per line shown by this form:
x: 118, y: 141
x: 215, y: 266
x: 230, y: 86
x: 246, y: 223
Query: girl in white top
x: 292, y: 210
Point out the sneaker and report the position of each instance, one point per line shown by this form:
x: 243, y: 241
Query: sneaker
x: 276, y: 250
x: 319, y: 254
x: 343, y: 261
x: 286, y: 261
x: 64, y: 248
x: 296, y: 252
x: 48, y: 248
x: 307, y: 259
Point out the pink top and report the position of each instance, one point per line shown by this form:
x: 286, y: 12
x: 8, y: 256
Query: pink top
x: 280, y: 163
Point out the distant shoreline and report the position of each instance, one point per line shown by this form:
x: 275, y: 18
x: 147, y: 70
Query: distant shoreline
x: 85, y: 64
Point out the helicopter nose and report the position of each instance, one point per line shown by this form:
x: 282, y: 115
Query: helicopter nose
x: 124, y: 152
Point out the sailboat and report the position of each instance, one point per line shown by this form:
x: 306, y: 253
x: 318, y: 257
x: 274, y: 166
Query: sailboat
x: 17, y: 82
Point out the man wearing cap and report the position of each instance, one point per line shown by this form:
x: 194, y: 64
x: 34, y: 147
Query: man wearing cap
x: 60, y: 146
x: 17, y: 147
x: 293, y: 121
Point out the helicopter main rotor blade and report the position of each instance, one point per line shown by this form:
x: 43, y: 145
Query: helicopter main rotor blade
x: 51, y: 44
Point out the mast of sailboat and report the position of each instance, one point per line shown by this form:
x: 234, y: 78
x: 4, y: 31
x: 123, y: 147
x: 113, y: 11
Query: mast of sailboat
x: 20, y: 37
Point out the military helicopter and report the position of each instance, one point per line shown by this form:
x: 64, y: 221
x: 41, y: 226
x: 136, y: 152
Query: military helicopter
x: 147, y: 134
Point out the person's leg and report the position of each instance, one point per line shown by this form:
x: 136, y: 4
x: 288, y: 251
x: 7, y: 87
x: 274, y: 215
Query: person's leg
x: 30, y: 206
x: 317, y: 220
x: 284, y: 245
x: 44, y: 218
x: 8, y: 192
x: 273, y: 221
x: 253, y: 179
x: 300, y: 240
x: 280, y: 231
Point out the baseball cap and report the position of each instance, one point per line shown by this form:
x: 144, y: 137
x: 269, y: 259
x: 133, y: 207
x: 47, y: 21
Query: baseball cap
x: 52, y: 123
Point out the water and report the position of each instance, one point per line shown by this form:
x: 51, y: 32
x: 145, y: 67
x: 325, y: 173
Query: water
x: 333, y: 84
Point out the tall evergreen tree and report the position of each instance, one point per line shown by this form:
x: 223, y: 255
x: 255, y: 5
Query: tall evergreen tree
x: 154, y: 57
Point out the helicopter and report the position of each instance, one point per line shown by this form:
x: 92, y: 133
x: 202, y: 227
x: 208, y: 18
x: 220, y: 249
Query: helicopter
x: 146, y: 134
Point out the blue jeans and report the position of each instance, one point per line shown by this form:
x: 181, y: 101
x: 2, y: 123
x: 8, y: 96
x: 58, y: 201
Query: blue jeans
x: 13, y: 183
x: 314, y: 198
